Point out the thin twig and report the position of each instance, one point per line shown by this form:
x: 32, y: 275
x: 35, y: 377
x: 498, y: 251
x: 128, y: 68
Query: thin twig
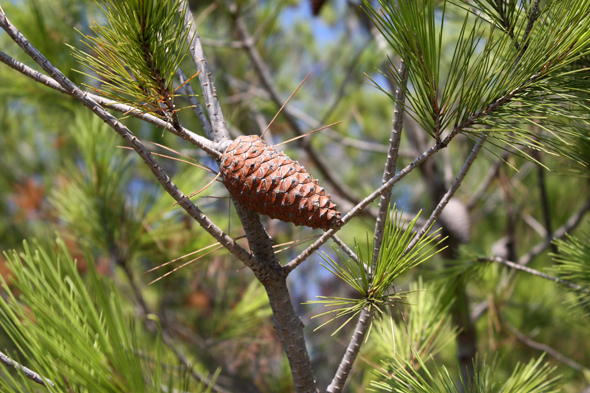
x: 545, y: 348
x: 391, y: 163
x: 222, y: 43
x: 212, y: 104
x: 362, y: 205
x: 352, y: 351
x: 441, y: 205
x: 487, y: 181
x: 516, y: 266
x: 30, y: 374
x: 366, y: 315
x: 569, y: 225
x: 560, y: 232
x: 346, y: 249
x: 196, y: 104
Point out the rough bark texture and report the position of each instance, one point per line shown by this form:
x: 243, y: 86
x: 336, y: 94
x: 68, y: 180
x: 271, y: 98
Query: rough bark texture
x: 360, y: 331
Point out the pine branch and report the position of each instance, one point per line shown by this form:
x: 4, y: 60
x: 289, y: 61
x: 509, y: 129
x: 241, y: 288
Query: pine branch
x: 363, y: 204
x: 360, y: 331
x: 126, y: 134
x: 30, y: 374
x: 391, y: 163
x: 366, y: 315
x: 441, y: 205
x: 545, y: 348
x: 346, y: 249
x: 212, y: 104
x: 560, y: 232
x: 487, y: 181
x: 516, y: 266
x: 198, y: 109
x: 197, y: 140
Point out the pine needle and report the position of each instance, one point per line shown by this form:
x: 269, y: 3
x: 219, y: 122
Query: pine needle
x: 286, y: 102
x: 186, y: 81
x: 179, y: 258
x: 182, y: 155
x: 172, y: 158
x: 202, y: 189
x: 185, y: 264
x: 307, y: 133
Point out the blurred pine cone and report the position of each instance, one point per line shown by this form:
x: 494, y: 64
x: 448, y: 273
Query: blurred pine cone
x: 268, y: 182
x: 456, y: 220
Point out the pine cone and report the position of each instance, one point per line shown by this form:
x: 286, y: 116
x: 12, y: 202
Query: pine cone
x: 268, y: 182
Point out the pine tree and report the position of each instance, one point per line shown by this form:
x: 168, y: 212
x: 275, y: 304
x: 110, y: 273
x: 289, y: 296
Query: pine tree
x: 471, y: 274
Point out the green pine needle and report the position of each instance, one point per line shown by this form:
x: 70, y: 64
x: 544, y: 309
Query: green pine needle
x: 76, y: 332
x: 534, y: 377
x: 137, y: 52
x: 495, y: 78
x: 393, y: 261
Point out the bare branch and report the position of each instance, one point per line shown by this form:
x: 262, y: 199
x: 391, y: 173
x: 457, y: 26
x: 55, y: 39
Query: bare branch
x: 30, y: 374
x: 560, y: 232
x: 441, y: 205
x: 205, y: 77
x: 366, y: 315
x: 345, y: 248
x: 390, y: 164
x: 192, y: 98
x: 352, y: 351
x: 365, y: 202
x: 545, y: 348
x: 516, y: 266
x: 222, y: 43
x: 487, y: 181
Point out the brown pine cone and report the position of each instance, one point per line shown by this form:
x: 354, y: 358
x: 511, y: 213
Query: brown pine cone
x: 268, y: 182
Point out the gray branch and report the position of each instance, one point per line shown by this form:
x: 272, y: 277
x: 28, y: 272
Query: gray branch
x: 198, y: 109
x: 360, y: 331
x: 560, y: 232
x: 30, y: 374
x: 441, y: 205
x: 487, y: 181
x: 205, y: 77
x: 516, y: 266
x: 545, y: 348
x: 366, y: 315
x: 390, y: 165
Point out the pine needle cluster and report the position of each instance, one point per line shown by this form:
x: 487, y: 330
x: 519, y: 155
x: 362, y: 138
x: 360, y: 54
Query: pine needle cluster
x: 136, y: 53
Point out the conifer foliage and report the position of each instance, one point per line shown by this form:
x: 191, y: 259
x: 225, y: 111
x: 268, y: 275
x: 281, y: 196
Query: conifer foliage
x: 483, y: 105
